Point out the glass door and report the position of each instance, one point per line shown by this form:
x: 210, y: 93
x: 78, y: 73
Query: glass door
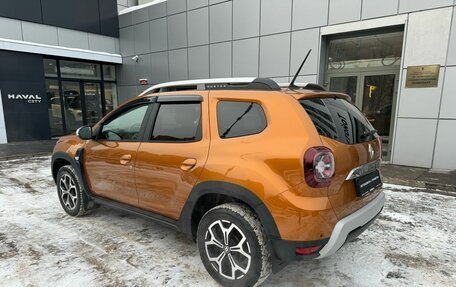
x: 72, y: 105
x: 379, y: 92
x: 54, y: 107
x: 93, y: 103
x: 347, y: 84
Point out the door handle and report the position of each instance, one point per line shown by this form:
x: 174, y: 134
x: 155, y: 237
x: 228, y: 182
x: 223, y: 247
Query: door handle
x: 125, y: 159
x: 188, y: 164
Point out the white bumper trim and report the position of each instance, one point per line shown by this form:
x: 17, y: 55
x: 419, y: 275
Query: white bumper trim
x: 348, y: 224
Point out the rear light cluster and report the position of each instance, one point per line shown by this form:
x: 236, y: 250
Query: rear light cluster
x: 319, y: 166
x: 379, y: 139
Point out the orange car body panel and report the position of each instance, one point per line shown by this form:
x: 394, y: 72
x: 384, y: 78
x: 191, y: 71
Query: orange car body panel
x: 163, y: 181
x: 269, y: 164
x: 105, y: 175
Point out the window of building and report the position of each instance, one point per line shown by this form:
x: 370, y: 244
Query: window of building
x: 80, y: 70
x: 79, y: 93
x: 236, y: 119
x: 178, y: 123
x: 366, y: 51
x: 126, y: 126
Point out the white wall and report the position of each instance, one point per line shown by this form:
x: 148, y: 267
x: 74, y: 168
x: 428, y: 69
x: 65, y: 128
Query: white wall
x: 17, y: 30
x: 426, y: 43
x: 123, y: 4
x: 188, y: 39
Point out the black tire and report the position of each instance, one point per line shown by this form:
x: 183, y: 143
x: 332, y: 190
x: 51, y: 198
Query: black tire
x: 71, y: 192
x: 243, y: 225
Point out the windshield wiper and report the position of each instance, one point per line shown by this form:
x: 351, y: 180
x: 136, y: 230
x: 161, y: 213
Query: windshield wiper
x: 237, y: 120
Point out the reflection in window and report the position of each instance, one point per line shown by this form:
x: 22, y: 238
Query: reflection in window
x: 378, y: 50
x: 72, y: 105
x: 80, y: 70
x: 125, y: 127
x: 236, y: 119
x: 94, y: 108
x: 346, y: 85
x: 50, y: 67
x: 178, y: 122
x: 339, y: 120
x: 109, y: 72
x: 54, y: 107
x: 110, y: 92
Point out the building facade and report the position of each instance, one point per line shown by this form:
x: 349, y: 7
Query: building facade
x: 57, y: 68
x: 395, y: 58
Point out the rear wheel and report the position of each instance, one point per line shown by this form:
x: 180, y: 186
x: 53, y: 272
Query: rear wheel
x: 71, y: 192
x: 233, y: 246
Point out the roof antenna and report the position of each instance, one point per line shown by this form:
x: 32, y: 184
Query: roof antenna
x: 292, y: 84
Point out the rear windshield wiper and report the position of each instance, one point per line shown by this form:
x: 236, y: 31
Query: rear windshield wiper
x: 368, y: 133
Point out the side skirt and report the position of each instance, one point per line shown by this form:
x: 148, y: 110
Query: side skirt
x: 117, y: 205
x: 137, y: 211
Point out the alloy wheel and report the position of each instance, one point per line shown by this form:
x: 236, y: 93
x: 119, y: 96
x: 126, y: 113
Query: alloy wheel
x: 68, y: 191
x: 227, y: 249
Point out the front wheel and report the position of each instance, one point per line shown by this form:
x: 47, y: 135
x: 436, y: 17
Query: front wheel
x: 71, y: 193
x: 233, y: 246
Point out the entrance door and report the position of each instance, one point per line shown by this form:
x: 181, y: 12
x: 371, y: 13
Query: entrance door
x: 347, y: 84
x: 379, y: 92
x: 82, y: 104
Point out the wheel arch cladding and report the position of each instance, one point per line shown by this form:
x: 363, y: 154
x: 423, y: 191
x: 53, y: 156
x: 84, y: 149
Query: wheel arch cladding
x: 60, y: 159
x: 219, y: 192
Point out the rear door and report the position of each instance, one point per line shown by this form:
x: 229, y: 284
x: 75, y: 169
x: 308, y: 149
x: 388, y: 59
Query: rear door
x: 354, y: 143
x: 173, y: 154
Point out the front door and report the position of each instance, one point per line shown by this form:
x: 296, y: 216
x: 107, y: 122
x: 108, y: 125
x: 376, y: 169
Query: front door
x: 109, y: 160
x: 172, y: 157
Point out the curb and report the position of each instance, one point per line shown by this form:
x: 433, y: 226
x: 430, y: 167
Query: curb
x: 429, y: 187
x: 24, y: 156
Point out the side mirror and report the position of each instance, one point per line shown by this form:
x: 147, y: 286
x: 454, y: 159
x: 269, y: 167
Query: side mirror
x: 84, y: 133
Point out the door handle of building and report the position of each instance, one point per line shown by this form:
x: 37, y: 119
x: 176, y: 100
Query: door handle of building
x: 125, y: 159
x: 188, y: 164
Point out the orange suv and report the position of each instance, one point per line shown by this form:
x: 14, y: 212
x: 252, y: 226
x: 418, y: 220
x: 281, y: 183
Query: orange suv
x: 256, y: 173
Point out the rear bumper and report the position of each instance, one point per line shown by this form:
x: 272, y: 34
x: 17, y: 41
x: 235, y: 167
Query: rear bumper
x: 352, y: 225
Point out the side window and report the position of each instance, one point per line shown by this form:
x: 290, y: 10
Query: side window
x: 126, y: 126
x: 178, y: 123
x: 236, y: 119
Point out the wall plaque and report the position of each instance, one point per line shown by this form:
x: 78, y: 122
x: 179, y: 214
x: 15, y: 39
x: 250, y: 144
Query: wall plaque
x: 422, y: 76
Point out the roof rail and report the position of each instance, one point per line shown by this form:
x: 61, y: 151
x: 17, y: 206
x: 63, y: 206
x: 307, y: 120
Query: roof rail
x: 304, y: 86
x: 264, y: 84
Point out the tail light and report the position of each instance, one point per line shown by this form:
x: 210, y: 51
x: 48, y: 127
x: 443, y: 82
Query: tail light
x: 379, y: 139
x: 319, y: 166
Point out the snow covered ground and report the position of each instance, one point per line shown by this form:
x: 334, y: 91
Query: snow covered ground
x: 413, y: 243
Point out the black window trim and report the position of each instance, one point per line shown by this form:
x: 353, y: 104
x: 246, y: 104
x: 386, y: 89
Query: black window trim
x: 246, y: 135
x: 181, y: 99
x: 148, y: 101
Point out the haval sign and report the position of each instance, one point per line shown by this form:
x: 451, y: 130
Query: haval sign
x: 31, y: 99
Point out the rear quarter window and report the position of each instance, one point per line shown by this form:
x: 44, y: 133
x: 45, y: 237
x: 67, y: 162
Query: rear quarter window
x: 237, y: 119
x: 338, y: 119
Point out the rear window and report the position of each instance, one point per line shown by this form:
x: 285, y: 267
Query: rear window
x: 236, y: 119
x: 339, y: 120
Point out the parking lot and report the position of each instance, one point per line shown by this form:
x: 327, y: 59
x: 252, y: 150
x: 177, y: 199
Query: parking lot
x: 412, y: 243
